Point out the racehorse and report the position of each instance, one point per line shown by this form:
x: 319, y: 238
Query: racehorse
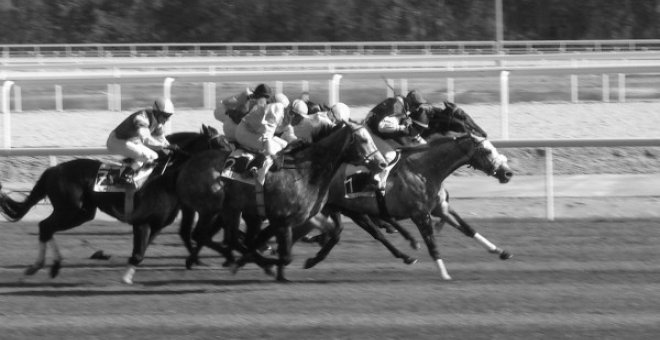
x: 412, y: 190
x: 69, y: 187
x: 296, y: 191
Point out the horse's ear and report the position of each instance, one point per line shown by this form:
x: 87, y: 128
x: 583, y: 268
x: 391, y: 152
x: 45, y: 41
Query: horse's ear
x: 449, y: 104
x: 205, y: 129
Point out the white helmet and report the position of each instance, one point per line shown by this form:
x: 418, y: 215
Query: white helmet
x: 164, y: 106
x: 341, y: 112
x: 299, y: 107
x: 281, y: 98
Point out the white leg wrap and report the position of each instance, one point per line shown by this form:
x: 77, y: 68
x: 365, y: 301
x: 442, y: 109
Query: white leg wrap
x: 443, y: 269
x: 485, y: 243
x: 128, y: 276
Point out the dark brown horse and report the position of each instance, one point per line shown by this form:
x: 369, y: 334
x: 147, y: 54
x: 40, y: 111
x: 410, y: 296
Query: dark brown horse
x: 293, y: 193
x: 412, y: 190
x: 69, y: 188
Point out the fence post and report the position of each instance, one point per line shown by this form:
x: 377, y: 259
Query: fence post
x: 6, y: 88
x: 18, y: 100
x: 58, y: 98
x: 390, y: 85
x: 574, y: 88
x: 167, y: 93
x: 549, y: 186
x: 622, y: 87
x: 333, y: 96
x: 504, y: 103
x: 404, y: 87
x: 606, y: 88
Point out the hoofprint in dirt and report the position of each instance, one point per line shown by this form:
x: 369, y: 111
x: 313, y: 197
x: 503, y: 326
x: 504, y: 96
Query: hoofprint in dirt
x: 570, y: 278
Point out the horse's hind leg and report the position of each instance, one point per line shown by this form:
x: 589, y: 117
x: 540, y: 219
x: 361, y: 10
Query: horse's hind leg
x: 57, y: 221
x: 425, y: 226
x: 365, y: 223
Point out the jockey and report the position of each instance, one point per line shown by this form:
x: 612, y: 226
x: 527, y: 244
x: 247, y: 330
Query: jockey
x: 257, y: 133
x: 140, y: 134
x: 339, y: 113
x: 231, y: 110
x: 305, y: 126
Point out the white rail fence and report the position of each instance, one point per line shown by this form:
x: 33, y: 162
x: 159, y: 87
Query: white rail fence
x: 147, y: 50
x: 548, y: 145
x: 114, y: 78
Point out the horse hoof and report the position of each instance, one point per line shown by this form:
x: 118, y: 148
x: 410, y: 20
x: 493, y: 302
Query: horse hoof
x: 127, y: 280
x: 309, y: 263
x: 189, y: 263
x: 505, y: 255
x: 410, y: 260
x: 282, y: 279
x: 55, y: 269
x: 33, y: 269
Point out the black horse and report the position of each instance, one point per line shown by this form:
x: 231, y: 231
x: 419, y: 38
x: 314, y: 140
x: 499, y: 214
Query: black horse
x: 69, y: 188
x: 292, y: 194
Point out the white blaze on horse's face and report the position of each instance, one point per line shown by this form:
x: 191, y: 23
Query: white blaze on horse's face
x: 369, y: 151
x: 500, y: 167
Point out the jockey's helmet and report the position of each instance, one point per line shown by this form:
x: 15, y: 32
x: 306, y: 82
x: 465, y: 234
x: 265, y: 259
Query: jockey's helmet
x: 262, y: 91
x: 299, y: 107
x: 340, y: 112
x: 420, y: 118
x: 415, y: 99
x: 163, y: 106
x: 282, y: 98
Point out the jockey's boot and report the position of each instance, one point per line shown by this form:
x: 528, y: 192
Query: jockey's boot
x: 260, y: 173
x: 127, y: 175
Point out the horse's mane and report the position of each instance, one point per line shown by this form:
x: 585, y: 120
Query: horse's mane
x: 434, y: 142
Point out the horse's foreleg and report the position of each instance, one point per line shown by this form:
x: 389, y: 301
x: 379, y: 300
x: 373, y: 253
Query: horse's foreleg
x: 57, y: 259
x: 425, y: 226
x: 140, y: 243
x: 450, y: 216
x: 41, y: 259
x: 414, y: 244
x: 365, y: 223
x: 284, y: 244
x: 333, y: 233
x: 185, y: 228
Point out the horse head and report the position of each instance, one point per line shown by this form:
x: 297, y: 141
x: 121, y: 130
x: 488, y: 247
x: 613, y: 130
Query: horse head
x: 453, y: 118
x: 487, y: 159
x: 363, y: 149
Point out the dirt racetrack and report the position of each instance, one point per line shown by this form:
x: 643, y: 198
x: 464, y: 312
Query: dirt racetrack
x: 592, y: 274
x: 570, y: 279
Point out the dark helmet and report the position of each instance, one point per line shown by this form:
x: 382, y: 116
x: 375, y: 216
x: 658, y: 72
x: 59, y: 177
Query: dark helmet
x: 415, y: 99
x: 262, y: 91
x: 420, y: 118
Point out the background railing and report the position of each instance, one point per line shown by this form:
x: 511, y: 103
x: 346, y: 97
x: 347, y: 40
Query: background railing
x: 548, y: 144
x: 324, y: 48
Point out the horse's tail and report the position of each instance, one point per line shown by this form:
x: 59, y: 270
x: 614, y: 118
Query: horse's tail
x: 15, y: 210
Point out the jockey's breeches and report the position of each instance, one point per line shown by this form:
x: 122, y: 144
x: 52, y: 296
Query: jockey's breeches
x: 257, y: 142
x: 228, y: 125
x: 132, y: 148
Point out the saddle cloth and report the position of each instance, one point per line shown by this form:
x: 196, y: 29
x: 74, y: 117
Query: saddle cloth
x: 358, y: 182
x: 108, y: 178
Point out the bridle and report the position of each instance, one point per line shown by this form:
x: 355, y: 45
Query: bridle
x: 362, y: 155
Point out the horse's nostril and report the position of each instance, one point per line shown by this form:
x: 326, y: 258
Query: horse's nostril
x: 508, y: 174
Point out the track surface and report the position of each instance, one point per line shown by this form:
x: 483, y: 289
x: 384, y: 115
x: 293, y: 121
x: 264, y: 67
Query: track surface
x: 569, y: 279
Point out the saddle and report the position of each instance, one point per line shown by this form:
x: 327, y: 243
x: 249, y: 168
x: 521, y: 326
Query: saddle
x: 109, y: 179
x: 240, y: 166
